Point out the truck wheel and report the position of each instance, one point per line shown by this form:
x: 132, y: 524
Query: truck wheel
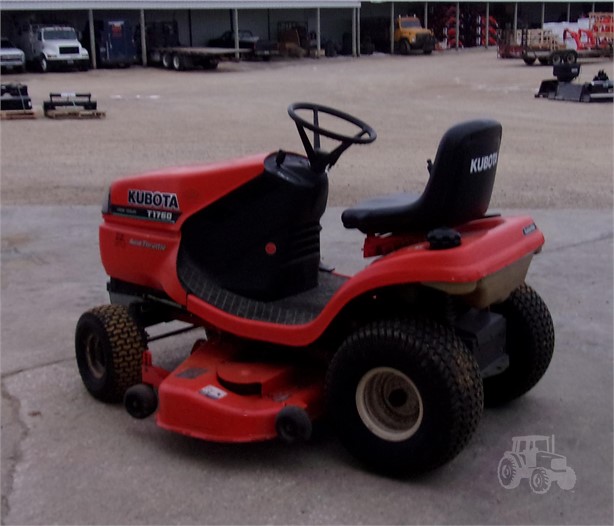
x: 540, y: 481
x: 210, y: 63
x: 571, y: 57
x: 167, y: 60
x: 43, y: 65
x: 529, y: 61
x: 557, y: 59
x: 529, y: 345
x: 178, y: 62
x: 508, y: 472
x: 404, y: 47
x: 109, y: 348
x: 404, y: 395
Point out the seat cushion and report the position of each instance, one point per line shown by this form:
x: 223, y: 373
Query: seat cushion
x: 380, y: 214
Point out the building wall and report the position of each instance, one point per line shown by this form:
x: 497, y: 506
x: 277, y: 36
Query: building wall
x: 198, y: 26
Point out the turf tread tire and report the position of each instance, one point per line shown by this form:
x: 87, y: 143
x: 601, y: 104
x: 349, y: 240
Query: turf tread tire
x: 446, y: 376
x: 530, y: 346
x: 123, y: 343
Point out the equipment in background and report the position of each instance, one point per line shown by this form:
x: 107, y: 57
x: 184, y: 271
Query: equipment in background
x: 600, y: 89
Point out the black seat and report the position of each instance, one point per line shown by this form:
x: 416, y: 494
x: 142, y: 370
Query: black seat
x: 458, y: 190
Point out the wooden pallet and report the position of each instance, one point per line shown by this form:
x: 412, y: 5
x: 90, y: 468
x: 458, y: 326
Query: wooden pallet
x: 17, y: 114
x: 74, y: 113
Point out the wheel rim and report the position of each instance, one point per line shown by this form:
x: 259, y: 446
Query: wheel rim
x: 94, y: 356
x: 389, y: 404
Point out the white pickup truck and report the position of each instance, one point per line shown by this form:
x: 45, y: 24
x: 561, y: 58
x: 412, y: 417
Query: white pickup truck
x: 49, y: 46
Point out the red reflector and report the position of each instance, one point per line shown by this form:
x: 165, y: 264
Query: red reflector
x: 270, y: 248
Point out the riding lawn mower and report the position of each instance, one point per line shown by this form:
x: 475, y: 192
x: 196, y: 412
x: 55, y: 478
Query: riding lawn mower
x: 400, y: 357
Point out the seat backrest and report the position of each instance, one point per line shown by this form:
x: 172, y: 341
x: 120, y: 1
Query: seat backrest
x: 463, y: 173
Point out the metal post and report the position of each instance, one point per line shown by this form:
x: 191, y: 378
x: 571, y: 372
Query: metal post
x: 354, y: 32
x: 543, y: 14
x: 235, y: 23
x: 358, y: 38
x: 457, y: 25
x: 190, y: 27
x: 143, y: 39
x: 568, y: 11
x: 318, y: 33
x: 515, y: 17
x: 487, y: 35
x: 426, y: 15
x: 392, y: 28
x: 92, y: 39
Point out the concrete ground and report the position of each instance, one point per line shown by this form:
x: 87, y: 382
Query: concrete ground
x: 67, y: 459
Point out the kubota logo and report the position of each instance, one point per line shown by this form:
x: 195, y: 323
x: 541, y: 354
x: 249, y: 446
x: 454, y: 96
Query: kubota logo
x: 157, y: 199
x: 486, y: 162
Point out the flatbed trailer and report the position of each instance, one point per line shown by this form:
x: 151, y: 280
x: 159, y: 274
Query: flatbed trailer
x: 562, y: 55
x: 594, y: 42
x: 180, y: 58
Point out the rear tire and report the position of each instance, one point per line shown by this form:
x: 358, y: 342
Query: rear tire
x: 109, y: 349
x: 178, y: 63
x: 167, y: 61
x: 529, y: 344
x: 508, y: 472
x: 540, y: 481
x: 404, y: 395
x: 210, y: 64
x: 571, y: 57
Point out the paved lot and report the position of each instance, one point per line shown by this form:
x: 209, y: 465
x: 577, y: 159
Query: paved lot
x: 67, y: 459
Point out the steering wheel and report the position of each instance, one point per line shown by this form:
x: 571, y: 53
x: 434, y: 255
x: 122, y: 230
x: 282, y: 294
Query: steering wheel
x: 318, y: 158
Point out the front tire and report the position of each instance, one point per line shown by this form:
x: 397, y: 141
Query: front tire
x: 43, y: 65
x: 405, y: 395
x: 529, y: 344
x: 404, y: 47
x: 109, y: 349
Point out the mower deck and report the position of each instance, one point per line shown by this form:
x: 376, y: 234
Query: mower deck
x: 221, y: 394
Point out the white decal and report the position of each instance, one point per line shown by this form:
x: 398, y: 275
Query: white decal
x: 210, y: 391
x: 481, y: 164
